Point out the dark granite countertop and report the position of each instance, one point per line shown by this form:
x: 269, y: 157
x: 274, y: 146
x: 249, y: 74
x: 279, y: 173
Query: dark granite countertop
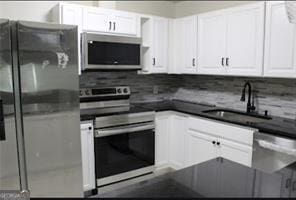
x: 215, y: 178
x: 276, y: 126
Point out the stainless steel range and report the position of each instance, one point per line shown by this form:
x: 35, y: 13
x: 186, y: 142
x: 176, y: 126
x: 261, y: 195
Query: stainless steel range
x: 124, y: 134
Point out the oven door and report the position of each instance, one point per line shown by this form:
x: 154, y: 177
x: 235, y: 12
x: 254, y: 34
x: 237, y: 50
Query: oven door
x: 111, y: 52
x: 123, y: 152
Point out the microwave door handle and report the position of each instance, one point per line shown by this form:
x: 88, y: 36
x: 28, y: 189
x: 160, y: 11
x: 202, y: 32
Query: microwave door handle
x: 123, y: 129
x: 2, y: 128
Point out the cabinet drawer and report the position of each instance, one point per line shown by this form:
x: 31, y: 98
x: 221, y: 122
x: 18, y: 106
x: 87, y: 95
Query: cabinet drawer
x: 223, y: 130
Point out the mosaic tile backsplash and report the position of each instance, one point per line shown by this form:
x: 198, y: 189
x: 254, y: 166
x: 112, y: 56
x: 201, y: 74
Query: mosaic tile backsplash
x: 278, y: 96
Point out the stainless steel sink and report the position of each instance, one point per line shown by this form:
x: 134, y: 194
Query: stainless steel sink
x: 237, y: 115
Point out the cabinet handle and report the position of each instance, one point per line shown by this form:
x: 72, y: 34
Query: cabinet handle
x: 89, y: 128
x: 110, y: 25
x: 193, y: 62
x: 218, y: 143
x: 114, y: 26
x: 227, y: 63
x: 214, y: 142
x: 222, y: 61
x: 2, y: 128
x: 153, y: 63
x: 288, y: 183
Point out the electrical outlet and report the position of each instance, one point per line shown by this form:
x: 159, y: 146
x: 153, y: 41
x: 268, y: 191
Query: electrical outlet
x: 155, y: 89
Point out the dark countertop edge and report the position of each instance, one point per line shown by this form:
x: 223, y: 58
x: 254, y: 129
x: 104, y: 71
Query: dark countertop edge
x: 256, y: 126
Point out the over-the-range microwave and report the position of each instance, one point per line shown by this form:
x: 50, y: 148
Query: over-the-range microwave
x: 107, y: 52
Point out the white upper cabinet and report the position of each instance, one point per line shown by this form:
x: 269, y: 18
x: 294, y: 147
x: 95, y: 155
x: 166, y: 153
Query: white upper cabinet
x: 185, y: 44
x: 230, y: 41
x: 71, y: 15
x: 125, y: 23
x: 155, y: 36
x: 95, y: 19
x: 110, y: 21
x: 160, y: 44
x: 244, y: 47
x: 211, y: 42
x: 280, y: 43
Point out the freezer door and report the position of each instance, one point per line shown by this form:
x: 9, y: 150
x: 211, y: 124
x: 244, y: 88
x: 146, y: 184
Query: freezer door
x: 9, y: 172
x: 50, y: 104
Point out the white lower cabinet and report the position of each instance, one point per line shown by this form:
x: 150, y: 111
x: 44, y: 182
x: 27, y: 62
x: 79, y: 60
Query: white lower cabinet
x: 88, y: 159
x: 161, y: 139
x: 177, y: 133
x: 183, y: 140
x: 199, y: 148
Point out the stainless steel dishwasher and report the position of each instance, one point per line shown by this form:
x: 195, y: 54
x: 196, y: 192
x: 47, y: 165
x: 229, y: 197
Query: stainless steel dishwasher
x: 272, y: 153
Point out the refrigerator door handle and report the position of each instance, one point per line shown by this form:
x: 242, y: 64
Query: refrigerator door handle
x: 2, y: 128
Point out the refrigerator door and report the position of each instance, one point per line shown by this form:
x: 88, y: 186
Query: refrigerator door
x: 9, y: 171
x: 50, y: 104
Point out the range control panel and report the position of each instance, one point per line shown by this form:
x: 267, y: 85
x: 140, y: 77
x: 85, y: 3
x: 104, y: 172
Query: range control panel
x: 104, y: 92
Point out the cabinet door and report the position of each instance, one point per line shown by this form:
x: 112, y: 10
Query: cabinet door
x: 88, y: 162
x: 161, y: 140
x: 160, y: 45
x: 211, y: 42
x: 244, y: 48
x: 279, y: 58
x: 177, y: 141
x: 199, y: 148
x: 189, y: 45
x: 124, y: 23
x: 97, y: 19
x: 235, y: 152
x: 71, y: 15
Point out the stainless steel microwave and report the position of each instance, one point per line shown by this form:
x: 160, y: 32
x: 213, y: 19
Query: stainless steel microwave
x: 110, y: 52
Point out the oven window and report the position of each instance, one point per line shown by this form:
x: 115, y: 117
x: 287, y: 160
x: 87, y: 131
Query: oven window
x: 125, y: 152
x: 108, y: 53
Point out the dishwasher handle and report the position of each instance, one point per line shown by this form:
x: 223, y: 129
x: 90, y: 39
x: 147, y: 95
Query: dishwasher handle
x: 275, y: 147
x: 123, y: 129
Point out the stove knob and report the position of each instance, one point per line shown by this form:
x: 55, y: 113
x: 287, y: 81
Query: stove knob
x: 87, y: 92
x: 119, y: 91
x: 80, y: 93
x: 125, y: 90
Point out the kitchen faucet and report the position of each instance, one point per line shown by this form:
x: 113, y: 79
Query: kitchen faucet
x: 250, y: 107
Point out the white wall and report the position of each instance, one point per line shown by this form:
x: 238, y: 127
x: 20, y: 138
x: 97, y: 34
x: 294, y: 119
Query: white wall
x: 160, y: 8
x: 186, y: 8
x: 31, y: 10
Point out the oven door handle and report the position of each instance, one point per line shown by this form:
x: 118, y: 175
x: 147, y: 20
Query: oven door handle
x: 123, y: 129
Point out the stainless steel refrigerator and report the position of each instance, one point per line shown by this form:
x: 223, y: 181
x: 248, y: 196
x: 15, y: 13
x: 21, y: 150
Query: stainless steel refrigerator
x: 40, y: 147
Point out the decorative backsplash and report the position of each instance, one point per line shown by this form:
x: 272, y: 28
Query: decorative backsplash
x: 278, y: 96
x: 142, y: 86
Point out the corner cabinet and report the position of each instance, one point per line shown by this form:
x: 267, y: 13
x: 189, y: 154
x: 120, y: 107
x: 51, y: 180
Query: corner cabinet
x: 155, y: 35
x: 230, y: 41
x: 88, y: 158
x: 280, y: 42
x: 184, y: 44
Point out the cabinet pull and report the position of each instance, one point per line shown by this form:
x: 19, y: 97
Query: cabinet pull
x: 2, y: 128
x: 153, y: 63
x: 114, y: 26
x: 288, y: 183
x: 222, y: 61
x: 218, y: 143
x: 214, y: 142
x: 193, y: 62
x: 110, y: 25
x: 227, y: 61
